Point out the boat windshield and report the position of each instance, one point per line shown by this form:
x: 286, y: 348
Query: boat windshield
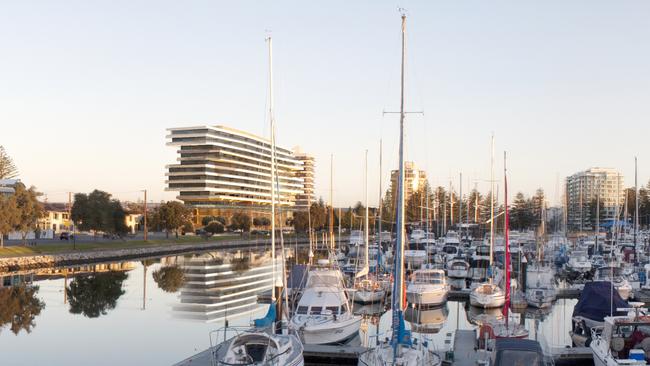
x: 518, y: 358
x: 450, y: 249
x: 318, y: 280
x: 428, y: 277
x: 609, y: 272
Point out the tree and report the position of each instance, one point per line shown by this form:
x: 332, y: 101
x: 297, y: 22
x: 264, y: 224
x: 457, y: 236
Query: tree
x: 318, y: 213
x: 171, y: 216
x: 8, y: 215
x: 521, y: 213
x: 171, y: 278
x: 240, y: 221
x: 29, y: 210
x: 261, y: 221
x: 96, y: 211
x: 7, y: 168
x: 300, y: 221
x: 95, y: 294
x: 215, y: 227
x: 19, y: 306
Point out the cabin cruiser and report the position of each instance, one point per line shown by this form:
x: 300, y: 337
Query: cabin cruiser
x: 323, y: 313
x: 597, y: 300
x: 478, y: 272
x: 415, y: 258
x: 357, y: 239
x: 256, y: 347
x: 622, y: 340
x: 427, y: 287
x: 614, y: 275
x: 487, y: 295
x: 457, y: 268
x: 509, y: 352
x: 450, y: 251
x: 540, y: 288
x: 579, y: 262
x: 417, y: 235
x: 452, y: 238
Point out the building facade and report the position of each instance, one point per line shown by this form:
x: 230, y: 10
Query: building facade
x: 304, y: 199
x: 414, y: 180
x: 586, y: 189
x: 221, y: 169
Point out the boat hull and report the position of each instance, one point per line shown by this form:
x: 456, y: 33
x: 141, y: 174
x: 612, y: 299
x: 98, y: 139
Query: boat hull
x: 487, y: 301
x: 368, y: 297
x: 334, y: 332
x: 422, y: 297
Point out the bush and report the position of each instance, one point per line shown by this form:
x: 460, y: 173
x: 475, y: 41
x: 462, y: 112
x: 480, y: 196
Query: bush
x: 261, y: 221
x: 214, y: 227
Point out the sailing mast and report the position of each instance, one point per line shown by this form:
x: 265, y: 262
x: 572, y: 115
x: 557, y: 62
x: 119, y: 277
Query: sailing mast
x: 492, y: 200
x: 380, y: 201
x: 636, y: 204
x: 366, y: 268
x: 506, y: 306
x: 399, y: 335
x: 272, y: 121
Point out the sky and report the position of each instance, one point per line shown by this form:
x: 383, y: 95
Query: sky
x: 90, y: 87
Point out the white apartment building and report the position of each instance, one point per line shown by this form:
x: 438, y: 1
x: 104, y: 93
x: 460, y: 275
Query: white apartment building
x: 583, y: 188
x: 220, y: 168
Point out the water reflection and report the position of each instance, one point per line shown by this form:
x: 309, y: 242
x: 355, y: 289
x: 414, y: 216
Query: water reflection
x: 94, y: 295
x: 19, y: 306
x: 221, y: 285
x: 425, y: 320
x: 170, y: 278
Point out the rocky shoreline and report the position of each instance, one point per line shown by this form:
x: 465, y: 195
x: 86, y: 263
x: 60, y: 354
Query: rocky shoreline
x: 11, y: 264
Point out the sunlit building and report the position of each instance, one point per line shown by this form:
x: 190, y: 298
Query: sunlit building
x: 221, y: 169
x: 414, y: 179
x: 582, y: 192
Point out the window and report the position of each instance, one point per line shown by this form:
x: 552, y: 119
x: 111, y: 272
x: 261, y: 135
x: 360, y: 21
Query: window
x: 302, y: 310
x: 333, y: 309
x: 316, y: 310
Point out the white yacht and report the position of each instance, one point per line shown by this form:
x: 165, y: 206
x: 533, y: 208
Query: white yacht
x: 457, y: 268
x: 368, y: 291
x: 614, y: 275
x: 323, y: 313
x: 418, y: 235
x: 428, y: 287
x: 415, y: 258
x: 540, y: 288
x: 256, y: 347
x: 487, y: 295
x: 579, y: 261
x: 622, y: 340
x: 450, y: 252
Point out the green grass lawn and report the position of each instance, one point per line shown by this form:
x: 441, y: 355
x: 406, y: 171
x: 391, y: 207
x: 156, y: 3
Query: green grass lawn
x: 17, y: 251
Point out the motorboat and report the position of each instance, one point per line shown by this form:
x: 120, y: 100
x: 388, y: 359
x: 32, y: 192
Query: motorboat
x: 509, y: 352
x: 418, y: 235
x: 256, y: 347
x: 457, y: 268
x: 540, y: 286
x: 622, y: 340
x: 428, y: 287
x: 579, y: 262
x: 450, y: 251
x: 597, y: 300
x: 614, y: 275
x: 414, y: 258
x: 323, y: 313
x: 487, y: 295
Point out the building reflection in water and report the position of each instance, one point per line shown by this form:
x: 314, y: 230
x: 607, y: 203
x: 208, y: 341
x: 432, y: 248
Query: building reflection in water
x: 221, y: 286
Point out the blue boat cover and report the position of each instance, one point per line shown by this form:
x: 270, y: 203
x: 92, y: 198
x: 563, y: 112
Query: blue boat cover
x: 596, y: 301
x: 267, y: 320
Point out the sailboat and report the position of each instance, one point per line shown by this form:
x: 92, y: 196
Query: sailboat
x: 260, y: 345
x: 367, y: 290
x: 400, y: 349
x: 506, y: 329
x: 488, y: 294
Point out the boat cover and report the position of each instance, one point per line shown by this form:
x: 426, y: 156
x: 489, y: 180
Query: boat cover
x: 596, y: 303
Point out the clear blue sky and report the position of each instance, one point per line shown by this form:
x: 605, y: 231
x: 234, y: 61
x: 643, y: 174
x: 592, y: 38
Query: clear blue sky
x: 89, y: 87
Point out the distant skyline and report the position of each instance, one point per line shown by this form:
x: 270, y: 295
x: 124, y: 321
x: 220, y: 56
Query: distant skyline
x: 89, y: 88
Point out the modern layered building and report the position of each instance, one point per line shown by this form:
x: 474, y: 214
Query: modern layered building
x: 587, y: 188
x: 221, y: 169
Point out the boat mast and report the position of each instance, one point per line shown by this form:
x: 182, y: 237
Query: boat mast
x: 398, y: 289
x: 506, y: 306
x: 636, y: 204
x: 366, y: 224
x: 272, y: 121
x: 331, y: 218
x: 492, y: 200
x: 380, y: 200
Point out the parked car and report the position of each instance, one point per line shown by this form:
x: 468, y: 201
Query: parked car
x: 66, y: 236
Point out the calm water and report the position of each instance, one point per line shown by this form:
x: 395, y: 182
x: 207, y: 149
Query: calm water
x: 107, y: 318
